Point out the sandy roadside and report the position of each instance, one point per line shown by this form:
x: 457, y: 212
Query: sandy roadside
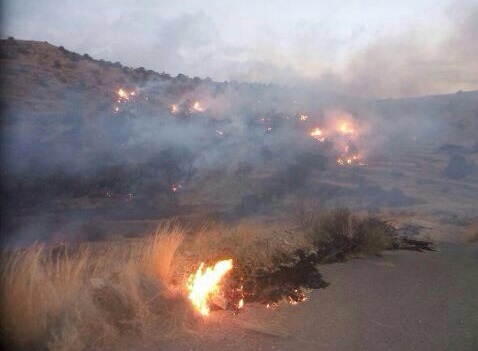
x: 401, y: 301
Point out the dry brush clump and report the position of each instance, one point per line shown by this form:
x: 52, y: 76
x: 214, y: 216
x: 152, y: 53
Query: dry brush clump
x: 340, y: 233
x: 90, y: 296
x: 471, y: 233
x: 253, y: 244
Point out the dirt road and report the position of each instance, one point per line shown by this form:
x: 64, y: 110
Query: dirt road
x: 401, y: 301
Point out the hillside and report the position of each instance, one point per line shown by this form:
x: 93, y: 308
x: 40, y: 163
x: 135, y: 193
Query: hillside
x: 39, y: 77
x: 88, y: 137
x: 42, y: 78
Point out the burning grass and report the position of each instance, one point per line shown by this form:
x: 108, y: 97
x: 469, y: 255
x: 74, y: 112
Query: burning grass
x: 93, y: 296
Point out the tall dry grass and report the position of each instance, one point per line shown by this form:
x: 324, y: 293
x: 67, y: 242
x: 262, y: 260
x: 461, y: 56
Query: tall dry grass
x: 252, y: 243
x: 89, y: 296
x: 35, y: 286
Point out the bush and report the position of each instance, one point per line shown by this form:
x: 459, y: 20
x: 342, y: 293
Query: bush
x: 75, y: 57
x: 471, y: 233
x: 340, y: 233
x: 373, y: 235
x: 57, y: 64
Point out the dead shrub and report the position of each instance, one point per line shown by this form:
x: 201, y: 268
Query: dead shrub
x: 471, y: 233
x: 340, y: 233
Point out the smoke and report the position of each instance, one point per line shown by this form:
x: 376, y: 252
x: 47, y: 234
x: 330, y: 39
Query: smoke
x: 417, y: 63
x: 356, y: 58
x: 248, y: 135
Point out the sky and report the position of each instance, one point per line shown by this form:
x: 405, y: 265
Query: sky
x: 364, y: 47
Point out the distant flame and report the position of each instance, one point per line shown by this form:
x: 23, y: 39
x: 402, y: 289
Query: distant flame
x: 241, y: 303
x: 175, y: 187
x: 174, y: 108
x: 350, y: 160
x: 197, y: 107
x: 345, y: 128
x: 123, y: 94
x: 318, y: 134
x: 304, y: 117
x: 204, y: 284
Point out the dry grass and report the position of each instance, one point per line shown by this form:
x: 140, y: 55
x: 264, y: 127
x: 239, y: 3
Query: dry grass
x: 157, y: 252
x: 35, y: 287
x: 92, y: 296
x: 253, y: 244
x: 471, y: 233
x: 87, y: 297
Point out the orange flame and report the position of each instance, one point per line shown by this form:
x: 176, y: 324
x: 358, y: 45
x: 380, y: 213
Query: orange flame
x: 197, y: 107
x: 349, y: 160
x: 204, y: 284
x: 317, y: 134
x: 345, y: 128
x: 123, y: 94
x: 241, y: 303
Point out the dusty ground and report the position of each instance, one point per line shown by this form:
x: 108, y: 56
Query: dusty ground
x: 401, y: 301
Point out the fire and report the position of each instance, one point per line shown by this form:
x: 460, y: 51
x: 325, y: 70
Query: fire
x: 123, y: 94
x: 175, y: 187
x: 123, y: 97
x: 318, y: 134
x: 204, y: 284
x: 197, y: 107
x: 349, y: 160
x: 241, y: 303
x: 345, y: 128
x: 304, y: 117
x: 174, y: 108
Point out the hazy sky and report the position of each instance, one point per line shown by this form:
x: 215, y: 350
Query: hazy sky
x: 355, y: 45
